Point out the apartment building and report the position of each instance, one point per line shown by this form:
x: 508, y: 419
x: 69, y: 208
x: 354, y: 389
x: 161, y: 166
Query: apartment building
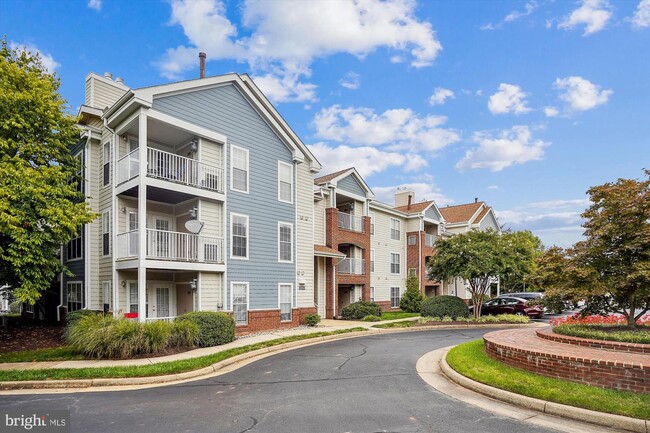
x: 208, y: 201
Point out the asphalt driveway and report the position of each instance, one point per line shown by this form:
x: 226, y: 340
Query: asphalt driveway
x: 366, y: 384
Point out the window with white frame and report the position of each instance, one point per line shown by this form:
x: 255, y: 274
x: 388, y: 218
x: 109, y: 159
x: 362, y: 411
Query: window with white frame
x: 285, y: 242
x: 239, y: 236
x: 285, y: 301
x: 394, y: 263
x: 239, y: 169
x: 240, y: 302
x: 133, y: 297
x: 412, y: 240
x: 106, y: 233
x: 372, y: 294
x: 29, y: 308
x: 372, y: 260
x: 74, y: 295
x: 107, y: 293
x: 285, y: 182
x: 395, y: 229
x: 75, y: 249
x: 372, y: 223
x: 107, y: 164
x: 394, y: 297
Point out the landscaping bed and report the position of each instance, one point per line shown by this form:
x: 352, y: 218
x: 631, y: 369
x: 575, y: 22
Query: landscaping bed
x: 609, y: 328
x: 22, y: 336
x: 504, y: 319
x: 470, y: 360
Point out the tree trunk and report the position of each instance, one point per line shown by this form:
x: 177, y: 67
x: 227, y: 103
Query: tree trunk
x: 631, y: 322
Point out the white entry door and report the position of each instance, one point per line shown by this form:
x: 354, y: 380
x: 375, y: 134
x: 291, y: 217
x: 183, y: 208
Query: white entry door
x: 160, y: 301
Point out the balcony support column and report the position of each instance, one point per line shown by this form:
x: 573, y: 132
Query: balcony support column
x: 142, y: 217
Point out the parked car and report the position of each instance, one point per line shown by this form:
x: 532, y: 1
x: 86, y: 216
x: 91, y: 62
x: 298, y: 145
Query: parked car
x: 511, y: 305
x: 529, y: 296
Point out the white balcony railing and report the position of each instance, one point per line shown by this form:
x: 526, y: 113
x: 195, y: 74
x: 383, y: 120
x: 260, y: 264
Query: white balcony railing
x: 352, y: 266
x: 175, y: 246
x: 350, y: 222
x: 430, y: 240
x: 172, y: 168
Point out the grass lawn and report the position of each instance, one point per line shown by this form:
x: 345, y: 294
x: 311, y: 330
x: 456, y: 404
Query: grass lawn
x: 64, y: 353
x: 392, y: 315
x: 160, y: 369
x: 469, y: 359
x: 402, y: 324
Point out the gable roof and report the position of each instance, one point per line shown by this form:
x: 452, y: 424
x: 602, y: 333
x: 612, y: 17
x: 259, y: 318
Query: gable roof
x: 324, y: 179
x: 144, y: 97
x: 461, y: 213
x: 481, y: 215
x: 342, y: 174
x: 415, y: 207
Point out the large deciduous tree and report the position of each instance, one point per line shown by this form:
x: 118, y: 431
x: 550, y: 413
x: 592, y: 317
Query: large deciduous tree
x: 611, y: 267
x: 40, y: 207
x: 477, y: 257
x: 528, y: 247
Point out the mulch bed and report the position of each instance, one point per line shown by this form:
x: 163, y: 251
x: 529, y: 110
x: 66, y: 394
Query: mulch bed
x: 417, y: 325
x: 30, y: 336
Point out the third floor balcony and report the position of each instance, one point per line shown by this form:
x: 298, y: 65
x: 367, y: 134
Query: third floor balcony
x: 350, y: 222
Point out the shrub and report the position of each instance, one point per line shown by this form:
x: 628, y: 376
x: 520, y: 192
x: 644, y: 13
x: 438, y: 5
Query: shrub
x: 412, y: 299
x: 214, y: 328
x: 183, y: 334
x: 311, y: 319
x: 371, y: 318
x: 440, y: 306
x: 98, y: 336
x: 601, y: 332
x: 74, y: 316
x: 155, y: 336
x: 360, y: 309
x: 447, y: 319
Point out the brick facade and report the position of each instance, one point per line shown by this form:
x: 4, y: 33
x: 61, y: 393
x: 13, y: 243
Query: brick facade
x: 522, y: 348
x: 416, y: 258
x: 334, y: 237
x: 265, y: 320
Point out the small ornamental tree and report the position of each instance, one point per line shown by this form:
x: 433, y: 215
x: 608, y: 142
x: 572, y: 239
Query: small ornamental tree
x: 40, y: 207
x: 477, y: 257
x: 411, y: 301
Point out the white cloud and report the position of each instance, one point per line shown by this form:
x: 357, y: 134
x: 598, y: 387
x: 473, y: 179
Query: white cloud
x: 424, y: 191
x: 515, y: 15
x: 581, y: 94
x: 400, y: 128
x: 508, y: 147
x: 351, y: 81
x: 509, y: 99
x: 551, y: 111
x: 285, y: 44
x: 493, y: 187
x: 95, y: 4
x: 594, y: 14
x: 285, y: 87
x: 367, y: 160
x: 46, y: 59
x: 641, y: 17
x: 440, y: 96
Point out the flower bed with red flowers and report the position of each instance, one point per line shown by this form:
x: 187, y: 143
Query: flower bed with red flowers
x: 610, y: 328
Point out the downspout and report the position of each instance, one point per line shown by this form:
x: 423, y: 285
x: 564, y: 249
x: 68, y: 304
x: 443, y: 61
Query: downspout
x: 420, y: 277
x: 58, y: 307
x: 114, y: 285
x: 87, y: 226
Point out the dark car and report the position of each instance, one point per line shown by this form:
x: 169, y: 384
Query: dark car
x: 529, y: 296
x: 511, y: 305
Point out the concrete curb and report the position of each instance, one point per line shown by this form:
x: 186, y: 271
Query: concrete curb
x: 221, y: 365
x: 575, y: 413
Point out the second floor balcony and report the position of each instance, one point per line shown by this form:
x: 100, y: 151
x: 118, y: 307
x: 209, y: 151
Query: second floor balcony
x: 172, y: 168
x: 173, y: 246
x: 349, y: 266
x: 430, y: 240
x: 350, y: 222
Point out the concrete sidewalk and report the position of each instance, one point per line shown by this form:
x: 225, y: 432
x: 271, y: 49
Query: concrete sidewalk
x: 326, y: 325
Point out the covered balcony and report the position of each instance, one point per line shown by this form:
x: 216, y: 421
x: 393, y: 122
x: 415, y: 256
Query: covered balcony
x: 350, y: 266
x: 350, y: 222
x: 173, y: 246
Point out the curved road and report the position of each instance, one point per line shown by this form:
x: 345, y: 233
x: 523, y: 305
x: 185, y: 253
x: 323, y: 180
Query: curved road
x: 366, y: 384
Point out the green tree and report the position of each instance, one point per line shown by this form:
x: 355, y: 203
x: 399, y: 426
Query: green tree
x: 528, y: 247
x: 477, y: 257
x: 40, y: 208
x: 411, y: 301
x: 612, y: 265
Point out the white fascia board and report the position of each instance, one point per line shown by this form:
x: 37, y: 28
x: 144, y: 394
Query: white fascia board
x: 187, y: 126
x: 115, y: 114
x: 478, y: 211
x: 89, y: 110
x: 353, y: 172
x: 382, y: 207
x: 351, y: 195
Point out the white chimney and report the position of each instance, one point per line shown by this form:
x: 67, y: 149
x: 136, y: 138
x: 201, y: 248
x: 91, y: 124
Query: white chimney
x: 404, y: 198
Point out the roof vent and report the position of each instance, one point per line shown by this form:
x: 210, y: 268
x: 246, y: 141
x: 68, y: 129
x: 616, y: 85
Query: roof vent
x: 119, y: 80
x: 475, y: 199
x: 202, y: 57
x: 108, y: 75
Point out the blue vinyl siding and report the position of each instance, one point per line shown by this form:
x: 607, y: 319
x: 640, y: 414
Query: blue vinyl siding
x: 225, y: 110
x: 432, y: 214
x: 351, y: 185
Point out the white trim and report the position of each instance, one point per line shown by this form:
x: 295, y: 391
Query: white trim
x: 399, y: 231
x: 281, y: 223
x: 110, y: 164
x: 104, y: 231
x: 248, y: 300
x: 372, y: 293
x: 399, y: 295
x: 187, y: 126
x: 248, y: 236
x: 248, y: 164
x: 399, y: 255
x: 290, y: 303
x: 281, y: 163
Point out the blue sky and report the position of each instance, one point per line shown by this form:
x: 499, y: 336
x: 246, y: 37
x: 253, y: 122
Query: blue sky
x: 523, y: 104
